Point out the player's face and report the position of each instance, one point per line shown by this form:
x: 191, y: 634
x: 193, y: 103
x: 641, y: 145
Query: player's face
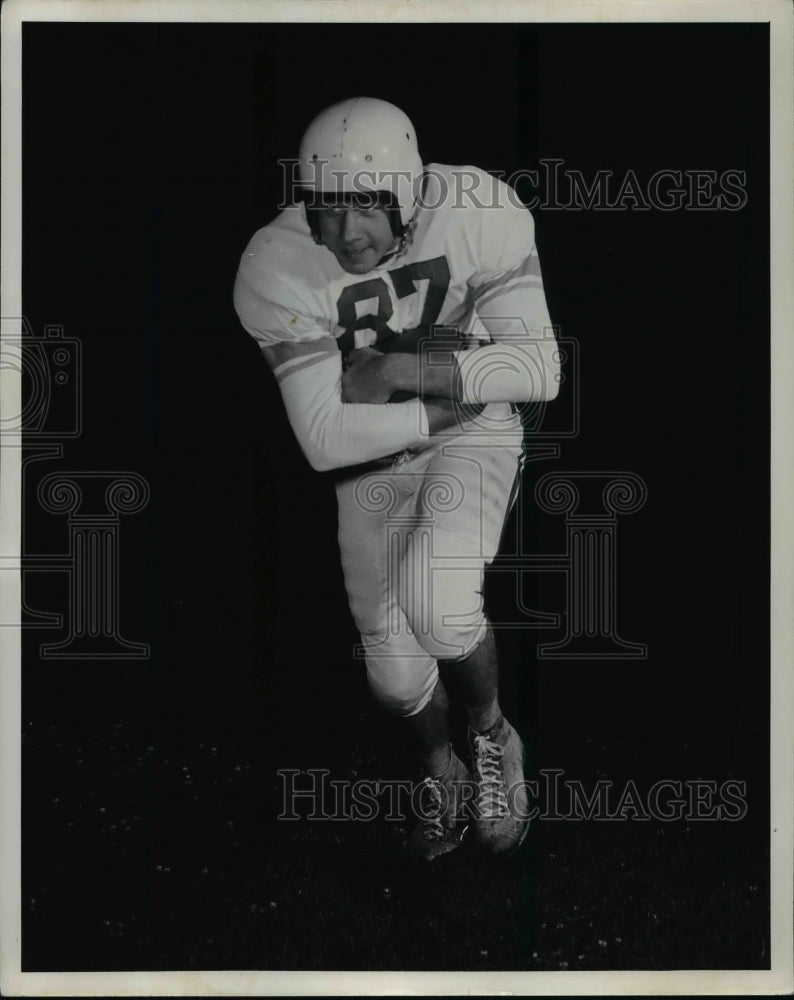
x: 357, y: 232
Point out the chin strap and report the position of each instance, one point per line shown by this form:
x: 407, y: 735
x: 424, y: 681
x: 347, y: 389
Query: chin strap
x: 406, y: 239
x: 407, y: 236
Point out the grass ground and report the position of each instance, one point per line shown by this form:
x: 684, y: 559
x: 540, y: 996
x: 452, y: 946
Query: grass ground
x: 169, y: 856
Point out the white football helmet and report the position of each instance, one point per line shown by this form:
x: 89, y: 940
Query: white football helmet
x: 362, y: 145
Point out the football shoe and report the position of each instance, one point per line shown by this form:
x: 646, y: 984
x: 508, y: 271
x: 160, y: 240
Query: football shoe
x: 500, y: 808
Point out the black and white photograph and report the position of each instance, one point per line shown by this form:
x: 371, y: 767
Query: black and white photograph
x: 396, y: 463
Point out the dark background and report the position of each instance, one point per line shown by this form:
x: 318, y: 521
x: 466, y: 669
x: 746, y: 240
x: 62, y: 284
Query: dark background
x: 149, y: 787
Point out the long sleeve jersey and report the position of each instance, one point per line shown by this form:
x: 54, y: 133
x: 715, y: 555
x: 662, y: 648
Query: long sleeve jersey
x: 471, y: 264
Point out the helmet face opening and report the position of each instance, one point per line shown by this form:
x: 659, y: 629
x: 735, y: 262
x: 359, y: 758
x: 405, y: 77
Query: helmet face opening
x: 317, y: 201
x: 362, y: 146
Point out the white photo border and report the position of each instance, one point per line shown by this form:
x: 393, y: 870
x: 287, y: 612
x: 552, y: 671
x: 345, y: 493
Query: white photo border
x: 779, y: 979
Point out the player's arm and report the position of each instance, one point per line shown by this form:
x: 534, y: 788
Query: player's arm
x: 331, y: 433
x: 517, y: 360
x: 405, y: 370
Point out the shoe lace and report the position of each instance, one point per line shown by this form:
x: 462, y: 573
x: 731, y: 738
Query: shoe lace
x: 432, y: 827
x: 491, y: 793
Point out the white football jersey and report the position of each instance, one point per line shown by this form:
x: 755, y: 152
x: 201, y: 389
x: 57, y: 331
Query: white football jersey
x: 293, y: 289
x: 471, y: 263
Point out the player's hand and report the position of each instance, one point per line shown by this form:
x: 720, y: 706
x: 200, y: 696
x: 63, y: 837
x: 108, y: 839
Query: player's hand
x: 365, y: 379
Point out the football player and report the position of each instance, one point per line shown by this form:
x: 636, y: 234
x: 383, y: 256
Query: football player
x: 401, y: 308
